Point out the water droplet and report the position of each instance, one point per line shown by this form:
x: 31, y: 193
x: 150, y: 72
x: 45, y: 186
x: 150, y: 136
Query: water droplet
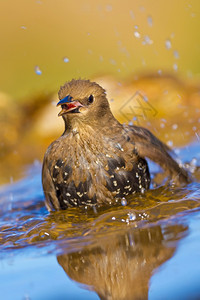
x: 137, y: 34
x: 132, y: 15
x: 150, y: 20
x: 174, y: 126
x: 192, y: 165
x: 66, y: 60
x: 162, y: 125
x: 37, y: 70
x: 23, y: 27
x: 175, y: 67
x: 197, y: 136
x: 194, y: 162
x: 130, y: 123
x: 132, y: 216
x: 168, y: 44
x: 94, y: 209
x: 142, y: 190
x: 177, y: 151
x: 147, y: 40
x: 159, y: 71
x: 170, y: 143
x: 172, y: 35
x: 176, y: 54
x: 123, y: 202
x: 112, y: 61
x: 145, y: 98
x: 113, y: 218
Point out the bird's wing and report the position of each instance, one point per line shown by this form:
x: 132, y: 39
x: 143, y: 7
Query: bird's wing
x: 147, y: 145
x: 48, y: 187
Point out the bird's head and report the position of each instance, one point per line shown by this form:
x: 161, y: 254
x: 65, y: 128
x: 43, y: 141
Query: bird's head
x: 83, y: 101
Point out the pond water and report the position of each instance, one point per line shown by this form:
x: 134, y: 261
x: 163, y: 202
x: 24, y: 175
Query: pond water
x: 148, y: 248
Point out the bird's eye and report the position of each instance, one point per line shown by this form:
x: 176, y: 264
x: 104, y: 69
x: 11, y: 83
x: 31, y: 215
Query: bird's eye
x: 91, y: 99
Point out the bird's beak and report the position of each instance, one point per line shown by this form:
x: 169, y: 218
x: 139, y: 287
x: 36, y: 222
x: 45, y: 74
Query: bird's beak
x: 68, y: 105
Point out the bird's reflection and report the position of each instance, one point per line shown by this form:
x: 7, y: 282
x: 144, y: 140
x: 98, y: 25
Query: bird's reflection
x: 120, y: 266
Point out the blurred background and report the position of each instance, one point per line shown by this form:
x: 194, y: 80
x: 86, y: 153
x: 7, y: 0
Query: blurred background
x: 127, y: 46
x: 145, y: 53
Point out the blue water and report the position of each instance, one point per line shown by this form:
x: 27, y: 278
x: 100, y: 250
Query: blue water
x: 133, y: 252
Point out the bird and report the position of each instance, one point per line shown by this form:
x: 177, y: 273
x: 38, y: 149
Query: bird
x: 97, y: 160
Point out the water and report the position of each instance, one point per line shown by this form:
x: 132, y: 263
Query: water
x: 175, y: 67
x: 37, y: 70
x: 137, y: 34
x: 150, y: 21
x: 66, y: 60
x: 147, y: 40
x: 176, y: 54
x: 150, y: 243
x: 168, y: 44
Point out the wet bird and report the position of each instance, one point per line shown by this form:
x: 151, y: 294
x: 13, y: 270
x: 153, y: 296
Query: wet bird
x: 97, y: 160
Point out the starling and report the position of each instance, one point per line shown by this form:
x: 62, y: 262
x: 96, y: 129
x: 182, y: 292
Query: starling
x: 97, y: 160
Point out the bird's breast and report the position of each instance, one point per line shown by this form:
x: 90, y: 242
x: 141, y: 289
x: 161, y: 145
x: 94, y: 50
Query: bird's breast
x: 97, y: 172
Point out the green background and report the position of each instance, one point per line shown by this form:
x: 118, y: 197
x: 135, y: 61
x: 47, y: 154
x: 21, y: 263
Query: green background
x: 97, y: 37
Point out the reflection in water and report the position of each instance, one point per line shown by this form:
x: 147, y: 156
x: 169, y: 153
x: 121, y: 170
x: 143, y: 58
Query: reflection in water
x: 120, y: 266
